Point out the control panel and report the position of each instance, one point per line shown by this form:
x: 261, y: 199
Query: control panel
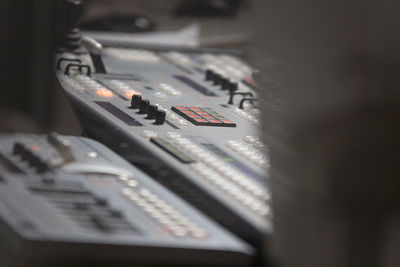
x: 65, y: 198
x: 189, y: 119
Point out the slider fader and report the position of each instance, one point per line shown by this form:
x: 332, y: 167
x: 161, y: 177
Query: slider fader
x: 69, y: 201
x: 189, y: 119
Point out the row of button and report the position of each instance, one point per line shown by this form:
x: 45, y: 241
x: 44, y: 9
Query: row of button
x: 132, y: 55
x: 228, y: 172
x: 169, y: 89
x: 178, y: 58
x: 123, y: 89
x: 203, y: 116
x: 227, y: 66
x: 249, y: 152
x: 94, y: 86
x: 256, y: 205
x: 71, y: 83
x: 250, y: 116
x: 255, y: 142
x: 176, y: 223
x: 152, y: 110
x: 218, y: 79
x: 173, y: 117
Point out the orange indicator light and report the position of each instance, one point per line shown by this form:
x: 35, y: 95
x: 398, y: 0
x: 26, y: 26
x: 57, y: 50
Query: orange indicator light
x: 104, y: 93
x: 35, y: 147
x: 130, y: 93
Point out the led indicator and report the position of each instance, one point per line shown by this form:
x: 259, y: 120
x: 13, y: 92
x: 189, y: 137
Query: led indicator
x: 104, y: 93
x: 130, y: 93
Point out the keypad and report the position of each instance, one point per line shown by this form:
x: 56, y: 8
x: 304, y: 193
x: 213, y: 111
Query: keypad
x: 203, y: 116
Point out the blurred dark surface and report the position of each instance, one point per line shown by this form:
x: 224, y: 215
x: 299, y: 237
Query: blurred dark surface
x: 27, y: 41
x: 331, y: 120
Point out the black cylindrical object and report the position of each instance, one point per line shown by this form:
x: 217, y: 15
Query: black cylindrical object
x: 160, y: 117
x: 135, y: 101
x: 144, y: 104
x: 151, y: 112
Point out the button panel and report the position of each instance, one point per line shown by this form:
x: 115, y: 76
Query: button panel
x: 172, y: 220
x: 223, y: 176
x: 203, y: 116
x: 249, y: 152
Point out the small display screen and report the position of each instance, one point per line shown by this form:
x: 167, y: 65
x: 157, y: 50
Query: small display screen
x: 219, y: 152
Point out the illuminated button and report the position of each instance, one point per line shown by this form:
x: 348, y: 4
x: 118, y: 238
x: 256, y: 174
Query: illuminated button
x: 130, y: 93
x: 200, y: 120
x: 208, y: 117
x: 104, y: 93
x: 196, y: 116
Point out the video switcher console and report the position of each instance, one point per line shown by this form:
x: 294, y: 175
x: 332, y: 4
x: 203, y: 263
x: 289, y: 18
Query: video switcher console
x: 72, y: 201
x: 188, y: 118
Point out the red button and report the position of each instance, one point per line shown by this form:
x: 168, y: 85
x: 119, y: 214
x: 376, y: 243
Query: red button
x: 214, y: 121
x: 194, y: 108
x: 187, y: 111
x: 207, y: 117
x: 227, y: 121
x: 180, y: 107
x: 194, y: 116
x: 200, y: 112
x: 201, y: 120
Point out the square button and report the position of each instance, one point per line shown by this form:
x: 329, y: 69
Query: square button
x: 201, y: 122
x: 207, y: 117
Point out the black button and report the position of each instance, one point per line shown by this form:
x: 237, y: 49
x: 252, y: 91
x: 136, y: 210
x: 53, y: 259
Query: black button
x: 135, y: 101
x: 18, y: 148
x: 151, y: 112
x: 232, y: 87
x: 144, y: 104
x: 225, y: 83
x: 160, y: 117
x: 210, y: 75
x: 217, y: 79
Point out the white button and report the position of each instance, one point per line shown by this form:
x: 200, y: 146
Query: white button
x: 149, y: 134
x: 132, y: 183
x: 160, y: 95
